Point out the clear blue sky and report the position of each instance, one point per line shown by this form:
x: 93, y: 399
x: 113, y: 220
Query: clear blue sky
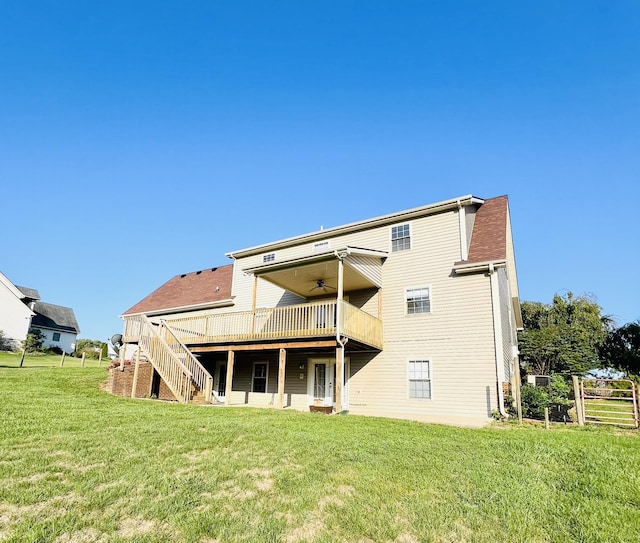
x: 140, y: 140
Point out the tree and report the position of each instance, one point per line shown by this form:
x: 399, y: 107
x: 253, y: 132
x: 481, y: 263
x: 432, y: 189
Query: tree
x: 564, y: 337
x: 34, y: 341
x: 621, y: 349
x: 91, y: 347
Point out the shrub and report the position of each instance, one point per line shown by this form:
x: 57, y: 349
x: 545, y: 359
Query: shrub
x: 534, y: 400
x: 5, y: 343
x: 555, y: 397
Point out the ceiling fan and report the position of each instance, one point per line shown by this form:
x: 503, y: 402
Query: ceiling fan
x: 320, y: 284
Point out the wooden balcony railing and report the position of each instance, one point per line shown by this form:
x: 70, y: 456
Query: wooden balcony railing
x: 316, y: 319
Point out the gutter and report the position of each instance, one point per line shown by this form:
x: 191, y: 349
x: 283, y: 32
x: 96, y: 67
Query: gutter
x: 169, y: 310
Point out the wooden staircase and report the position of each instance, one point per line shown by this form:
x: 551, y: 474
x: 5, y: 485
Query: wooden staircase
x: 179, y: 369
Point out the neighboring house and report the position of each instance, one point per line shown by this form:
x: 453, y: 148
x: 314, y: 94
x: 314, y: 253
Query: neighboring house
x: 58, y: 324
x: 16, y: 310
x: 410, y: 315
x: 21, y: 310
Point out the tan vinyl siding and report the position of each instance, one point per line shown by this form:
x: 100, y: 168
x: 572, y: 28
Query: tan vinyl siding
x: 457, y: 336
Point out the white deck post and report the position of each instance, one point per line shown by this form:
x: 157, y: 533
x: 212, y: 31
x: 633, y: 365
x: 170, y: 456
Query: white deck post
x: 281, y: 375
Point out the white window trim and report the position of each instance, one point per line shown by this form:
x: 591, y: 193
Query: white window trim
x: 391, y: 237
x: 253, y: 376
x: 408, y: 365
x: 265, y: 258
x: 406, y: 309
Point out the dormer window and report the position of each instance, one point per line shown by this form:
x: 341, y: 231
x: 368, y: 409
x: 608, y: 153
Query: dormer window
x: 320, y: 246
x: 270, y: 257
x: 400, y: 238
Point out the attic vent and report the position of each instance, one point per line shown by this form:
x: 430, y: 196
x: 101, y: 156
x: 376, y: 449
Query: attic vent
x: 320, y: 246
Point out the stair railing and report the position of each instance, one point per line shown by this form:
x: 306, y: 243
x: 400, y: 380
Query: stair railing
x: 202, y: 379
x: 166, y: 362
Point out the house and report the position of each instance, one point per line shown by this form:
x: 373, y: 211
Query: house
x: 410, y: 315
x: 21, y: 311
x: 58, y: 324
x: 16, y: 310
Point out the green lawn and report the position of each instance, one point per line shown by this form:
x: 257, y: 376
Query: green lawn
x: 12, y: 360
x: 78, y: 465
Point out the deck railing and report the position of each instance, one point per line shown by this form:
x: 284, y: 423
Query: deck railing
x: 315, y: 319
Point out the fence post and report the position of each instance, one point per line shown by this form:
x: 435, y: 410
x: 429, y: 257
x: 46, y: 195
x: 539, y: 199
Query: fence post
x: 546, y: 418
x: 83, y: 357
x: 24, y: 352
x: 578, y: 398
x: 62, y: 359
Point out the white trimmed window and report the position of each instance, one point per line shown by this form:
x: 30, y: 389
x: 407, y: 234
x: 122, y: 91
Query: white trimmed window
x: 270, y: 257
x: 259, y: 377
x: 400, y: 238
x: 420, y: 379
x: 418, y: 300
x: 320, y: 246
x: 56, y: 336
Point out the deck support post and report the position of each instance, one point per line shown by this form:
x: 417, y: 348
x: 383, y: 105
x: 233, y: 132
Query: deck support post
x: 281, y: 376
x: 134, y: 384
x: 229, y: 383
x: 121, y: 355
x: 339, y: 377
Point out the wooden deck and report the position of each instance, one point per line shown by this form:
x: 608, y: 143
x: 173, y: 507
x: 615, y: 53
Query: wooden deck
x: 311, y: 320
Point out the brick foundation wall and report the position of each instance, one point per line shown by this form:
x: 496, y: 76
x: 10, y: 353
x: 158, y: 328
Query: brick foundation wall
x: 119, y: 383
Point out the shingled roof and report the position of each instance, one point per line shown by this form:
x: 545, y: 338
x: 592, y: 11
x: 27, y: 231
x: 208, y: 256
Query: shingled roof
x: 489, y: 236
x: 55, y: 317
x: 187, y: 290
x: 30, y: 293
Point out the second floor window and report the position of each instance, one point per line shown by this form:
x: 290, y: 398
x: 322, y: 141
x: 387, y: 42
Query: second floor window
x: 56, y: 336
x: 400, y: 238
x: 269, y: 257
x: 418, y: 300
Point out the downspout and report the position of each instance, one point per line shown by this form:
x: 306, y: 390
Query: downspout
x: 497, y: 336
x: 339, y: 339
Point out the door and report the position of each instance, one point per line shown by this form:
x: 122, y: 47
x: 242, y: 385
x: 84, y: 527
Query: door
x: 222, y: 380
x: 321, y: 378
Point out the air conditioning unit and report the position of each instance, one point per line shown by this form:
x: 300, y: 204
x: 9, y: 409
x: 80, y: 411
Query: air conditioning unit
x: 539, y: 380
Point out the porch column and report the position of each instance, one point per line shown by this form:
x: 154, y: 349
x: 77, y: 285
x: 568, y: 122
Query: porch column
x: 134, y: 385
x: 281, y: 374
x: 340, y: 341
x: 122, y: 353
x: 227, y: 388
x: 339, y: 376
